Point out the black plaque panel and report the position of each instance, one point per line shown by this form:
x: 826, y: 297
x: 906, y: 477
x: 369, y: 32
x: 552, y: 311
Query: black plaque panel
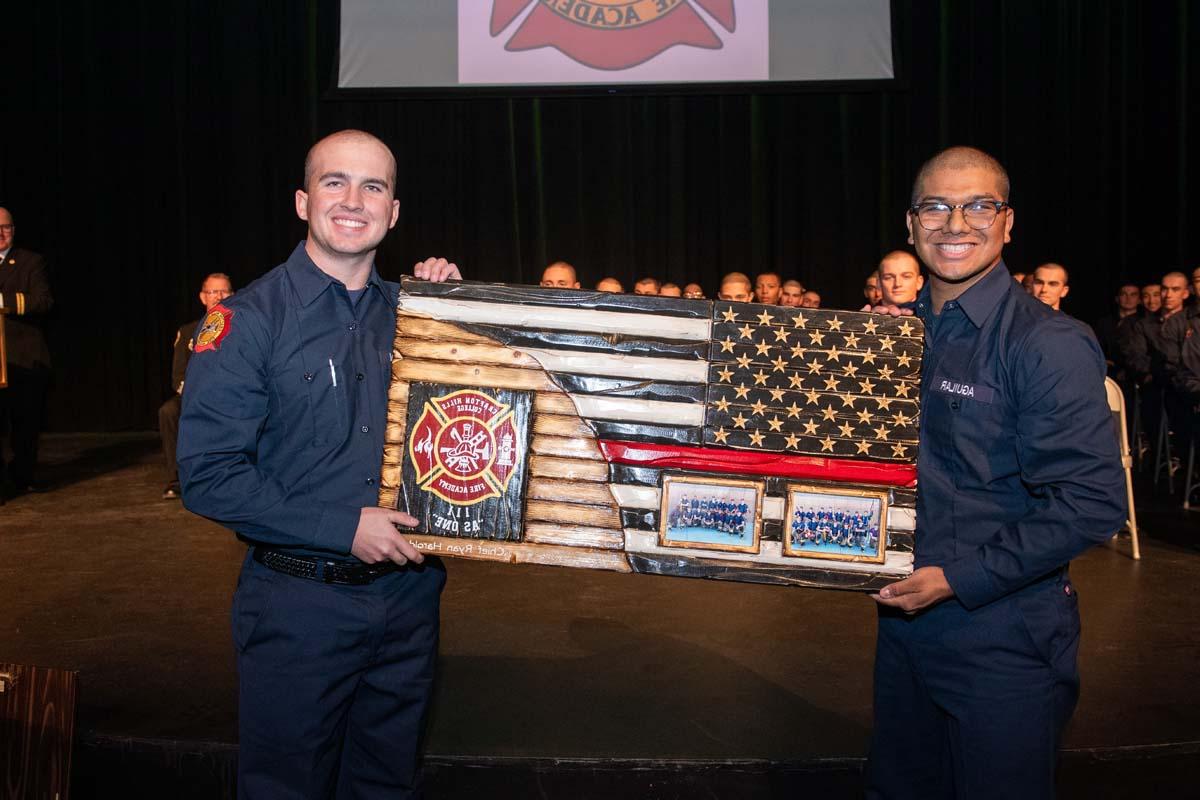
x: 466, y: 460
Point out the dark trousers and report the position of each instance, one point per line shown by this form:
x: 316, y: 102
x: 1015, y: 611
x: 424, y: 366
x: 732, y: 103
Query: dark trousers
x: 23, y: 405
x: 972, y: 704
x: 334, y: 683
x: 168, y: 430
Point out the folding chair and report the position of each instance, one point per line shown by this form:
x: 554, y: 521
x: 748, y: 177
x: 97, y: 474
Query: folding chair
x: 1116, y: 404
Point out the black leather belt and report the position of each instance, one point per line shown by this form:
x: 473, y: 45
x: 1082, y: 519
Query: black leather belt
x: 323, y: 570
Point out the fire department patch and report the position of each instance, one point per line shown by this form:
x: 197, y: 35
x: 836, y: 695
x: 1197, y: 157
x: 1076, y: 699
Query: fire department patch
x: 467, y: 453
x: 612, y: 34
x: 215, y: 328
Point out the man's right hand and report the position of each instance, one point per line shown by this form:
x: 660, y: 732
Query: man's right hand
x: 376, y: 538
x: 889, y: 309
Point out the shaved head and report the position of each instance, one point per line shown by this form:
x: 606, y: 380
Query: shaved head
x: 355, y: 136
x: 961, y: 158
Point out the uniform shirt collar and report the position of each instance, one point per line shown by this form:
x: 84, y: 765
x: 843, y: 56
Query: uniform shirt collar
x: 310, y: 281
x: 978, y: 302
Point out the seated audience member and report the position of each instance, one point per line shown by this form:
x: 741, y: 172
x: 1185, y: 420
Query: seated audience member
x: 1027, y: 285
x: 900, y: 277
x: 1187, y: 374
x: 871, y: 289
x: 1152, y: 298
x: 560, y: 274
x: 1112, y: 327
x: 670, y: 290
x: 810, y: 299
x: 791, y: 294
x: 1051, y: 283
x: 646, y: 286
x: 216, y: 287
x: 1019, y: 277
x: 767, y: 288
x: 1153, y: 355
x: 735, y: 287
x: 693, y: 291
x: 1196, y: 286
x: 611, y: 285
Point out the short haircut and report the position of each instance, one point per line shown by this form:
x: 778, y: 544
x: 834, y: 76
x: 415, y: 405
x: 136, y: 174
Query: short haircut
x: 219, y: 276
x: 648, y: 279
x: 1053, y: 265
x: 739, y: 277
x: 567, y: 265
x: 354, y: 134
x: 960, y: 158
x: 774, y: 275
x: 1174, y: 274
x: 795, y: 285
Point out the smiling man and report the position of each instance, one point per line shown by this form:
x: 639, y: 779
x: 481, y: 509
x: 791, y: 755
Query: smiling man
x: 1051, y: 283
x: 899, y: 277
x: 975, y: 665
x: 335, y: 618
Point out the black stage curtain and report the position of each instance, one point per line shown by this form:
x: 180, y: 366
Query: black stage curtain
x: 147, y: 144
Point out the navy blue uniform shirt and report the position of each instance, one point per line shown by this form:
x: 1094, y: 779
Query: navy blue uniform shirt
x: 1018, y: 467
x: 281, y: 435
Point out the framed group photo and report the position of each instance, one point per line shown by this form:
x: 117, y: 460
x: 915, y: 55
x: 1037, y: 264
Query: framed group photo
x: 835, y: 523
x: 711, y: 514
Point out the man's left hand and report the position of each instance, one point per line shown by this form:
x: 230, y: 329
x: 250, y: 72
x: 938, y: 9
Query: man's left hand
x: 927, y: 586
x: 436, y: 270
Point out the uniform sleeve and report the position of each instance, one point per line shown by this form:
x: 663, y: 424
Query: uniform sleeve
x: 1187, y: 375
x: 1067, y: 450
x: 1136, y: 351
x: 179, y: 361
x: 35, y: 298
x: 225, y: 410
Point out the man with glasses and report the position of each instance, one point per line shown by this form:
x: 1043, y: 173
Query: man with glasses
x: 975, y: 668
x: 216, y: 287
x: 26, y: 299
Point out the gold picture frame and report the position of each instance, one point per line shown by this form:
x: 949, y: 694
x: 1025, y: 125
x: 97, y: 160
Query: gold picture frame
x: 835, y: 523
x: 726, y: 514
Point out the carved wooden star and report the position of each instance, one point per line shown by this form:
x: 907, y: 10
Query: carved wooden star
x: 885, y: 403
x: 870, y: 326
x: 728, y: 316
x: 765, y: 319
x: 863, y: 447
x: 741, y: 390
x: 782, y: 334
x: 722, y: 405
x: 810, y: 428
x: 866, y: 386
x: 847, y: 429
x: 902, y: 389
x: 739, y: 421
x: 852, y: 340
x: 865, y: 417
x: 885, y: 372
x: 886, y: 343
x: 851, y: 370
x: 799, y: 321
x: 727, y: 345
x: 827, y: 445
x: 901, y: 418
x: 903, y: 360
x: 812, y: 396
x: 899, y: 450
x: 835, y: 324
x: 720, y: 435
x: 776, y: 423
x: 828, y: 414
x: 762, y: 347
x: 756, y: 438
x: 868, y: 356
x: 796, y: 381
x: 746, y: 331
x: 793, y: 441
x: 758, y: 406
x: 831, y: 384
x: 881, y: 432
x: 760, y: 378
x: 780, y: 364
x: 744, y: 361
x: 832, y: 354
x: 816, y: 337
x: 906, y: 329
x: 777, y: 395
x: 725, y: 374
x: 814, y: 367
x: 798, y: 351
x: 848, y: 400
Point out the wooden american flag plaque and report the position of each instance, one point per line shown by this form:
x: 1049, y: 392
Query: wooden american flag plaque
x: 540, y: 425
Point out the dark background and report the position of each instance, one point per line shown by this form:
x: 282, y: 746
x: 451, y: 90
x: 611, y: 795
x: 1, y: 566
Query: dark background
x: 146, y: 144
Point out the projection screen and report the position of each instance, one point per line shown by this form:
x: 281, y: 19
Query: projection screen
x: 427, y: 44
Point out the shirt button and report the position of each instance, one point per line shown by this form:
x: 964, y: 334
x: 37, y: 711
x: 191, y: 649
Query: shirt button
x: 954, y: 405
x: 308, y: 376
x: 353, y: 326
x: 370, y: 481
x: 359, y: 376
x: 364, y: 429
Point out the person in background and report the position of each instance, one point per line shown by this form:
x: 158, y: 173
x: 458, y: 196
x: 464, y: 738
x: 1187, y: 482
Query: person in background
x: 767, y: 288
x: 810, y: 299
x: 1019, y: 277
x: 1051, y: 283
x: 693, y: 291
x: 900, y: 277
x: 216, y: 287
x: 670, y: 290
x: 647, y: 286
x: 791, y: 294
x: 25, y: 296
x: 560, y: 274
x: 736, y: 287
x: 1113, y: 328
x: 611, y: 285
x: 1152, y: 298
x: 1027, y: 284
x: 871, y: 290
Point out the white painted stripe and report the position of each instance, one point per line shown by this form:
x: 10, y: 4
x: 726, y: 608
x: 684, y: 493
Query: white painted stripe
x: 896, y: 563
x: 677, y: 370
x: 629, y: 410
x: 631, y: 496
x: 567, y: 319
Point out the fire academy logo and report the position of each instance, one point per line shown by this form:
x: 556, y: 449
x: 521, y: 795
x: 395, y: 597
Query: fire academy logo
x: 464, y: 447
x: 612, y: 34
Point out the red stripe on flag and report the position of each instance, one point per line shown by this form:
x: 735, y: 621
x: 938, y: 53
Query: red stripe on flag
x: 781, y: 465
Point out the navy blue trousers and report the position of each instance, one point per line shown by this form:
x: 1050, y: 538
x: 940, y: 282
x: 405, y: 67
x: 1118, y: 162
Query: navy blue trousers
x: 972, y: 704
x: 334, y: 683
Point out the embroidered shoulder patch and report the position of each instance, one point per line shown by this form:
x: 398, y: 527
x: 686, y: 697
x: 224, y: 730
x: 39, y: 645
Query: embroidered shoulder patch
x: 215, y: 328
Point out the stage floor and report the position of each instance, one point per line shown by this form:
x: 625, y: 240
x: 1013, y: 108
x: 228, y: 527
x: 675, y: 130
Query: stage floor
x: 540, y: 664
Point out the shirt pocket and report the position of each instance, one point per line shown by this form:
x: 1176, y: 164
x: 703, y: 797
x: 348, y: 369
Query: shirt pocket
x: 985, y: 436
x: 328, y: 399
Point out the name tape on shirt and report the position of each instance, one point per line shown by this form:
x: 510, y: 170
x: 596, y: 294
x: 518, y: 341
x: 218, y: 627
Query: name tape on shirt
x: 971, y: 391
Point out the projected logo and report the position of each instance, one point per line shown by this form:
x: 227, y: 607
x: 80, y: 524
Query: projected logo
x: 612, y: 34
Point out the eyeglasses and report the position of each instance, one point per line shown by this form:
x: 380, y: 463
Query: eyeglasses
x: 979, y: 214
